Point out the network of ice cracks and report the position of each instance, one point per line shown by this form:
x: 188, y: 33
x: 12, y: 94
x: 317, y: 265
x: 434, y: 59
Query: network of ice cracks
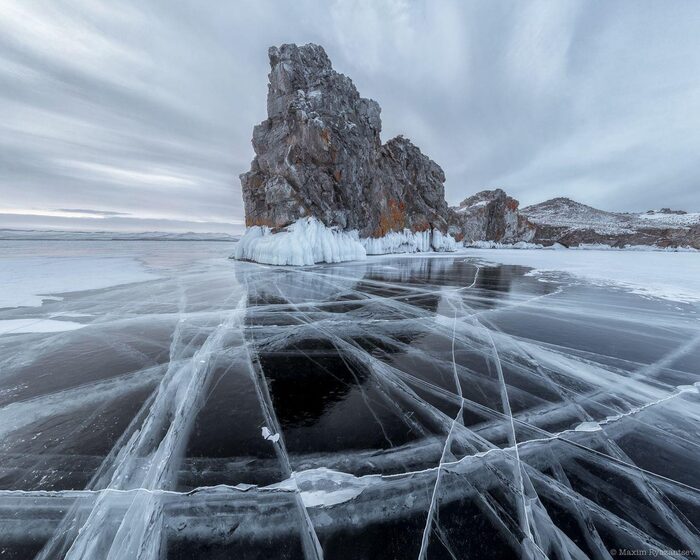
x: 487, y: 444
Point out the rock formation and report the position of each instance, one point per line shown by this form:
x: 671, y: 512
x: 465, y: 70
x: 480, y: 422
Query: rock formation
x: 319, y: 155
x: 490, y: 215
x: 323, y: 188
x: 570, y: 223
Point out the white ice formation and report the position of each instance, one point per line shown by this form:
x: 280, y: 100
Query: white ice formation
x: 308, y: 241
x: 305, y: 242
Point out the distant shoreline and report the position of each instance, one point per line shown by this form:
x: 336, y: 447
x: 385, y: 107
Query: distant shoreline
x: 114, y: 239
x: 57, y: 235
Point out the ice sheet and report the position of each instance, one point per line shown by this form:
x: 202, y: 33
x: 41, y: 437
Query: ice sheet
x: 669, y: 275
x: 40, y: 325
x: 27, y: 281
x: 416, y: 406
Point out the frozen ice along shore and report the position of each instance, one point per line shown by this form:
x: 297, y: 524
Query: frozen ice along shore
x: 307, y: 241
x: 669, y: 275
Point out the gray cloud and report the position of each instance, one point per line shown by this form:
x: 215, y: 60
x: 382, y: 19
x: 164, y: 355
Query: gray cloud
x: 113, y: 223
x: 102, y: 213
x: 147, y: 109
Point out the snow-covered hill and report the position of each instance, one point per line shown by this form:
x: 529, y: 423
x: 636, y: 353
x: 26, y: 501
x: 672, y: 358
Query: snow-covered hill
x: 569, y: 222
x: 564, y: 212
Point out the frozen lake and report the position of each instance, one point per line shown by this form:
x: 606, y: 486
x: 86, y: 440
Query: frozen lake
x: 158, y: 400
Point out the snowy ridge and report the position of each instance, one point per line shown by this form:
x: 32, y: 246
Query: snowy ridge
x: 308, y: 241
x: 564, y: 212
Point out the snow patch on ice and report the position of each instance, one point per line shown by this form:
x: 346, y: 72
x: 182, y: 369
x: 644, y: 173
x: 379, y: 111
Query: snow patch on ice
x: 27, y: 281
x: 323, y: 487
x: 308, y: 241
x: 268, y: 435
x: 23, y: 326
x: 688, y: 389
x: 668, y: 275
x: 588, y: 427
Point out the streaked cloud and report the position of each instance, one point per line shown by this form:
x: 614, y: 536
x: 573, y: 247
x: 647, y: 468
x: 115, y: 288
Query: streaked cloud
x: 85, y: 211
x: 147, y: 108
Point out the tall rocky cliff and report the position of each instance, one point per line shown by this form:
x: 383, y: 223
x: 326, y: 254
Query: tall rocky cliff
x: 319, y: 154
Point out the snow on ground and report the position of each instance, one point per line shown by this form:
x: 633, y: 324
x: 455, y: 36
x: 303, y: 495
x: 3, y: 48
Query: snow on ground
x: 668, y: 275
x: 581, y: 247
x: 40, y: 325
x: 659, y: 219
x: 26, y: 281
x: 563, y: 212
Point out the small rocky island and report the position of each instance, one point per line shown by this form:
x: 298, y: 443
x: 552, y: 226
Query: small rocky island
x: 323, y: 187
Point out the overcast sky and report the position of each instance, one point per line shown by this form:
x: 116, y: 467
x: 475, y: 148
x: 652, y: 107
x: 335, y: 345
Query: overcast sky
x: 138, y: 114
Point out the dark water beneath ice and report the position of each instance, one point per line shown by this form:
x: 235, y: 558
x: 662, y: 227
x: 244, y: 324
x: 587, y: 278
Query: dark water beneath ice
x: 414, y: 407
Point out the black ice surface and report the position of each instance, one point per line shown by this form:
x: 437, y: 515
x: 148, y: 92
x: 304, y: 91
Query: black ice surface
x: 404, y: 407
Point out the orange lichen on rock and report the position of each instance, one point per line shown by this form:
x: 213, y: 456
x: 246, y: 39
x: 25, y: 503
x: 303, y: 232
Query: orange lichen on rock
x: 421, y: 226
x: 393, y: 218
x: 251, y: 221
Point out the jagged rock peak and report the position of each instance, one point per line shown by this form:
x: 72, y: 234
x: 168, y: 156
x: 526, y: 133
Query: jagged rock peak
x: 319, y: 154
x: 492, y: 215
x: 489, y: 196
x: 299, y: 78
x: 560, y: 204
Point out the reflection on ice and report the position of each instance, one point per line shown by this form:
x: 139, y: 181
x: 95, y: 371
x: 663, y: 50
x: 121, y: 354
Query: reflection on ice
x: 407, y: 407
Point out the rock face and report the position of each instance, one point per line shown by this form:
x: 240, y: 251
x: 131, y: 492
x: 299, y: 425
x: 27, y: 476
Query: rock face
x: 570, y: 223
x: 323, y: 188
x: 491, y: 215
x: 319, y: 155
